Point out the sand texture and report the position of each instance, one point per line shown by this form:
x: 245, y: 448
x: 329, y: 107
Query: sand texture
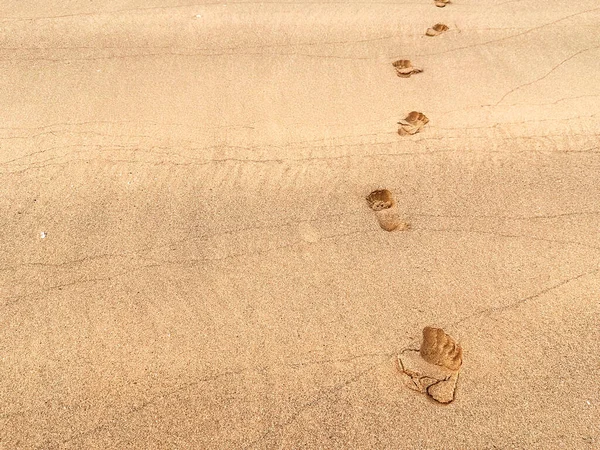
x: 188, y: 259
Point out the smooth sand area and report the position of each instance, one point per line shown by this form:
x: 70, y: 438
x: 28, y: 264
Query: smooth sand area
x: 188, y: 260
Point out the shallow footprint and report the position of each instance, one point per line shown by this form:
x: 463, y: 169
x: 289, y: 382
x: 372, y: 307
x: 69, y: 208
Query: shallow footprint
x: 405, y: 69
x: 434, y: 368
x: 412, y: 124
x: 443, y: 391
x: 382, y: 202
x: 441, y: 3
x: 436, y: 30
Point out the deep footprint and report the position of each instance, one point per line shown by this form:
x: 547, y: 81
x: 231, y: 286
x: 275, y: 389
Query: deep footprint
x: 412, y: 124
x: 440, y: 349
x: 436, y: 30
x: 404, y: 68
x: 382, y: 202
x: 434, y: 368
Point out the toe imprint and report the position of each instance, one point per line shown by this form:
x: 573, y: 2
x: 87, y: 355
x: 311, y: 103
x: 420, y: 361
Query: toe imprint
x: 440, y: 349
x: 441, y: 3
x: 380, y: 199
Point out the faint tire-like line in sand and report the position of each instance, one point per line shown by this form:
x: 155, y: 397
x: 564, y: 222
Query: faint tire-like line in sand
x: 494, y: 233
x: 339, y: 386
x: 529, y: 30
x: 393, y: 354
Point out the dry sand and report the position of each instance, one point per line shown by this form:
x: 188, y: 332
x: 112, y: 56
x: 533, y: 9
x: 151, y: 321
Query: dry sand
x: 188, y: 260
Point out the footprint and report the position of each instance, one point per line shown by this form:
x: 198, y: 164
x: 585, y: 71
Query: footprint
x: 412, y: 124
x: 436, y: 30
x: 434, y: 368
x: 440, y: 349
x: 383, y: 203
x: 405, y: 69
x: 441, y: 3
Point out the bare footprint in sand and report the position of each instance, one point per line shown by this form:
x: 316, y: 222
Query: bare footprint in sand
x: 440, y: 349
x: 405, y: 69
x: 441, y: 3
x: 412, y: 124
x: 436, y: 30
x: 434, y: 368
x: 383, y: 203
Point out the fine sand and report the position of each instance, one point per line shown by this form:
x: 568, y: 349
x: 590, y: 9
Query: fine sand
x: 188, y: 259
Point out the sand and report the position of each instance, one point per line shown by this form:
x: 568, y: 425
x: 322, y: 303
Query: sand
x: 187, y: 259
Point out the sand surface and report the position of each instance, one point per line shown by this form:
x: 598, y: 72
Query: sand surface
x: 187, y: 259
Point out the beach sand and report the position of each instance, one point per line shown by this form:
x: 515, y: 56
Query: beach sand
x: 187, y: 258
